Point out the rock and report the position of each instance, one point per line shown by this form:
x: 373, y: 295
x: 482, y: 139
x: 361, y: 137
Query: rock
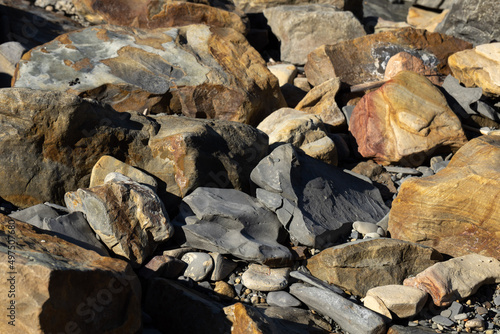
x: 404, y: 61
x: 303, y: 28
x: 375, y: 304
x: 463, y: 97
x: 441, y: 211
x: 199, y: 265
x: 404, y: 301
x: 364, y: 59
x: 364, y: 264
x: 284, y: 72
x: 262, y: 278
x: 129, y: 218
x: 398, y: 329
x: 297, y: 320
x: 387, y: 25
x: 388, y: 128
x: 107, y: 164
x: 445, y: 282
x: 10, y: 54
x: 351, y: 317
x: 321, y: 101
x: 302, y: 83
x: 228, y: 221
x: 443, y: 321
x: 223, y: 267
x: 478, y: 68
x: 35, y: 215
x: 172, y: 307
x: 314, y: 201
x: 163, y: 266
x: 302, y: 130
x: 436, y: 4
x: 475, y: 323
x: 59, y: 286
x: 224, y: 290
x: 425, y: 19
x: 152, y: 71
x: 282, y: 299
x: 248, y: 319
x: 149, y: 15
x: 475, y: 21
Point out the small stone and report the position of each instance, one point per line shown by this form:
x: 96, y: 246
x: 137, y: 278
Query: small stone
x: 222, y: 267
x: 282, y: 299
x: 481, y: 310
x: 284, y: 72
x: 474, y: 323
x: 446, y: 313
x: 254, y: 299
x: 403, y: 301
x: 455, y: 308
x: 225, y: 290
x: 263, y: 278
x: 460, y: 316
x: 377, y: 305
x: 438, y: 319
x: 364, y: 227
x: 199, y: 265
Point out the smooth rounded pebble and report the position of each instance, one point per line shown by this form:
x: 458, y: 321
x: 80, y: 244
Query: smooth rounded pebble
x: 199, y: 265
x: 282, y: 299
x: 263, y: 278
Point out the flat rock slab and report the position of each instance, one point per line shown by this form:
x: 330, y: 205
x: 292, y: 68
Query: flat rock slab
x: 316, y: 202
x: 229, y: 221
x: 364, y: 59
x: 193, y: 70
x: 405, y: 121
x: 404, y: 301
x: 457, y: 278
x: 361, y: 265
x: 262, y: 278
x: 454, y: 211
x: 59, y: 285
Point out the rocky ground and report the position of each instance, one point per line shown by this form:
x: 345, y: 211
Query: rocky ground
x: 245, y: 166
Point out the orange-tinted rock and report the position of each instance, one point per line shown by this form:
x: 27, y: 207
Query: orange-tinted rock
x: 58, y: 287
x: 454, y: 211
x: 404, y: 61
x: 425, y: 19
x: 364, y: 59
x: 157, y: 14
x: 405, y: 121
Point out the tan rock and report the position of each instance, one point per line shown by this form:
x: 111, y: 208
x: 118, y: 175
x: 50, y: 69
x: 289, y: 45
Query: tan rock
x: 224, y: 289
x: 479, y: 67
x: 386, y: 25
x: 323, y: 149
x: 425, y: 19
x: 377, y: 305
x: 321, y: 101
x: 263, y: 278
x: 129, y: 218
x: 361, y: 265
x: 364, y: 59
x: 403, y: 301
x: 457, y: 278
x: 107, y: 164
x: 56, y: 286
x: 249, y: 320
x: 284, y: 72
x: 405, y: 121
x: 404, y: 61
x: 454, y: 211
x: 302, y: 83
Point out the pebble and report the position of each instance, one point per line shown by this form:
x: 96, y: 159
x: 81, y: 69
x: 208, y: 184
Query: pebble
x: 199, y: 265
x: 496, y: 300
x: 222, y: 267
x: 263, y: 278
x: 439, y: 319
x: 225, y: 290
x: 282, y: 299
x: 364, y: 227
x: 474, y: 323
x: 402, y: 170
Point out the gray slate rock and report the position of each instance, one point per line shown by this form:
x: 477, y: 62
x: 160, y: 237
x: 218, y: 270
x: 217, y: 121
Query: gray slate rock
x: 199, y: 265
x: 35, y: 215
x: 282, y: 299
x: 314, y: 201
x: 463, y: 96
x: 229, y: 221
x: 222, y: 267
x: 349, y: 316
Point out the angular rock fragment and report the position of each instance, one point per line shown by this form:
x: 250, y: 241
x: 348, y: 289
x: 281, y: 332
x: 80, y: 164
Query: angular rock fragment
x: 364, y: 264
x: 403, y: 301
x: 315, y: 202
x: 229, y: 221
x: 454, y: 211
x: 129, y: 218
x: 405, y: 121
x: 58, y: 285
x: 262, y: 278
x: 457, y: 278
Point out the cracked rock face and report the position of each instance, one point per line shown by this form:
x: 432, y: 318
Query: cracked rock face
x: 194, y: 70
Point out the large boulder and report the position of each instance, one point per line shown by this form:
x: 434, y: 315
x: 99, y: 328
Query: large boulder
x: 303, y: 28
x: 454, y: 211
x: 316, y: 202
x: 193, y: 70
x: 405, y: 121
x: 364, y: 264
x: 50, y: 285
x: 364, y: 59
x: 52, y: 140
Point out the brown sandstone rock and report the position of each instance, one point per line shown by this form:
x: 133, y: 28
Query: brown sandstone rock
x: 455, y: 210
x: 60, y: 287
x: 404, y: 61
x: 193, y: 70
x: 405, y: 121
x: 404, y: 301
x: 364, y: 59
x: 425, y: 19
x: 361, y: 265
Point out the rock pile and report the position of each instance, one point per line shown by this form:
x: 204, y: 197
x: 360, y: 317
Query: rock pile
x: 249, y: 166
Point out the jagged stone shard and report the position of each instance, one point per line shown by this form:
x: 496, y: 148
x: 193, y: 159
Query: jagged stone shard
x: 315, y: 201
x: 229, y: 221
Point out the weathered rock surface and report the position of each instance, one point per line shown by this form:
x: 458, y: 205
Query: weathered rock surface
x: 364, y: 59
x: 130, y: 218
x: 457, y: 278
x: 164, y: 13
x: 404, y: 61
x: 303, y: 28
x: 403, y: 301
x: 425, y: 19
x: 262, y: 278
x: 314, y: 201
x: 59, y: 285
x: 229, y: 221
x: 321, y: 101
x: 454, y: 211
x: 476, y: 21
x: 351, y: 317
x: 194, y: 70
x: 302, y: 130
x: 364, y: 264
x: 392, y: 125
x: 199, y: 265
x: 479, y: 67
